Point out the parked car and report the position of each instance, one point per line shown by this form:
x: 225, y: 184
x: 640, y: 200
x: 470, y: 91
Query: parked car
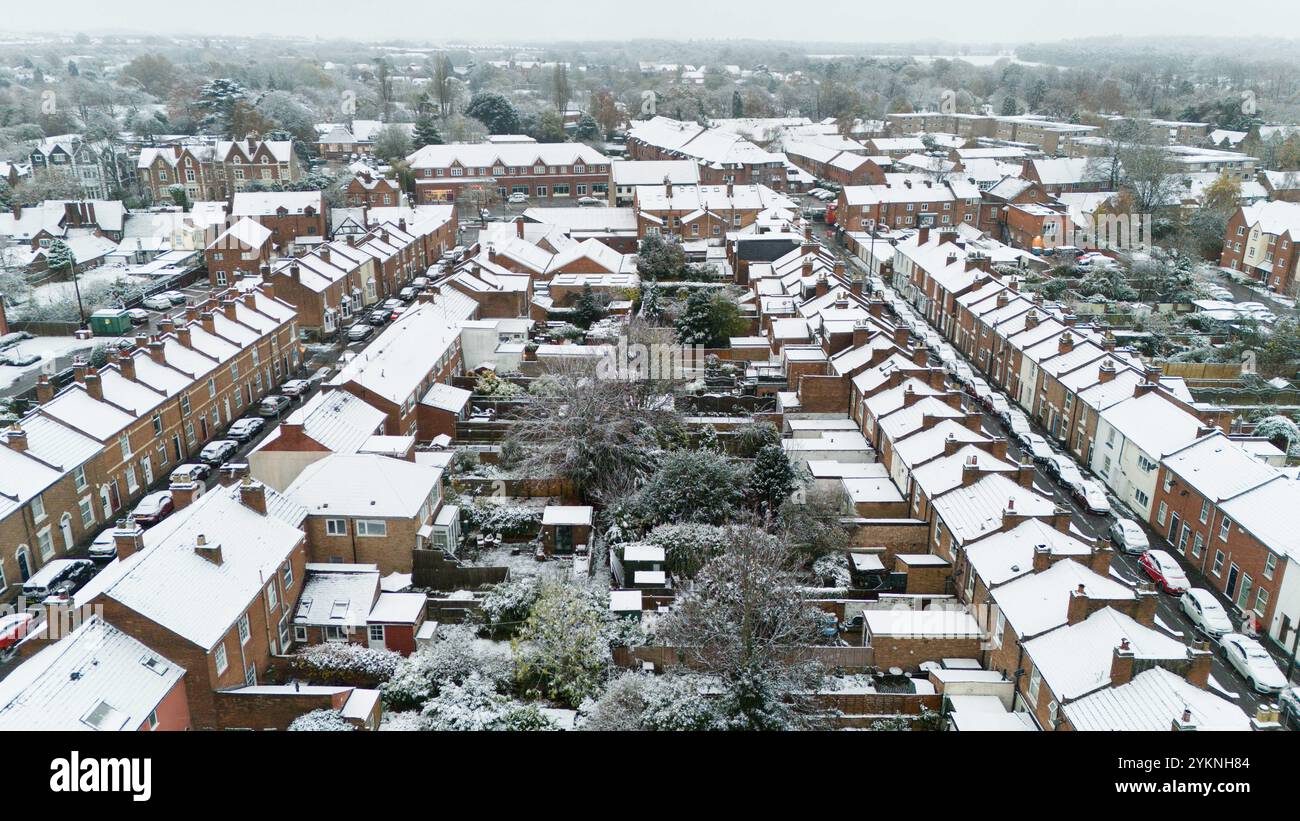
x: 1129, y: 535
x: 175, y: 297
x: 104, y: 547
x: 138, y: 316
x: 74, y: 580
x: 1064, y: 469
x: 1018, y: 424
x: 963, y: 373
x: 273, y: 405
x: 241, y: 430
x: 1205, y: 613
x: 14, y: 627
x: 979, y: 389
x: 590, y: 201
x: 1092, y: 496
x: 517, y: 198
x: 214, y: 453
x: 44, y: 580
x: 1253, y: 662
x: 379, y: 317
x: 1038, y: 448
x: 157, y: 302
x: 153, y: 508
x: 408, y: 293
x: 321, y: 374
x: 998, y: 404
x: 360, y: 332
x: 191, y: 472
x: 1165, y: 571
x: 1289, y: 701
x: 295, y: 387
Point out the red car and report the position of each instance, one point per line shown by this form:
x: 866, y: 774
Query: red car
x: 14, y: 628
x: 1164, y: 571
x: 153, y: 508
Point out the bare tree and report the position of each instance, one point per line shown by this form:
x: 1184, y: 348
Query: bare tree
x: 601, y: 433
x: 747, y: 622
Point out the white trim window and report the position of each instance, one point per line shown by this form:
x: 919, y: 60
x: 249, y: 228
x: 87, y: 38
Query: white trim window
x: 222, y: 661
x: 372, y: 527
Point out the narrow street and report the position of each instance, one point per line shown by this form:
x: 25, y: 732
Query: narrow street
x: 1169, y: 614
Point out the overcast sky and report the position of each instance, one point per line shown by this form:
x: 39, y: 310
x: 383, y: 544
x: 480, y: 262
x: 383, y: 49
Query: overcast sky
x: 492, y: 21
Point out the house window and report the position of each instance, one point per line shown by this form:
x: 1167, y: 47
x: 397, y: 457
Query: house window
x: 336, y: 527
x: 38, y: 507
x: 299, y: 633
x: 250, y: 675
x: 376, y: 632
x: 87, y: 511
x: 272, y: 597
x: 124, y: 442
x: 1141, y: 498
x: 1270, y: 564
x: 1225, y: 527
x: 1197, y: 544
x: 79, y: 476
x: 1164, y: 511
x: 335, y: 633
x: 1035, y: 679
x: 372, y: 527
x: 1218, y: 563
x: 222, y: 662
x: 1261, y: 600
x: 1205, y: 511
x: 244, y: 632
x: 45, y: 543
x: 288, y: 576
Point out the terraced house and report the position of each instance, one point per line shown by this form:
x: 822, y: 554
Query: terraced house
x: 539, y: 171
x: 214, y: 170
x: 90, y: 450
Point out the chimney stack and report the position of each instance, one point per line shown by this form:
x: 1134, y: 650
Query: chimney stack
x: 94, y: 387
x: 126, y: 364
x: 1121, y: 664
x: 211, y: 552
x: 129, y: 538
x: 184, y: 492
x: 44, y: 389
x: 16, y: 438
x: 157, y: 353
x: 253, y: 494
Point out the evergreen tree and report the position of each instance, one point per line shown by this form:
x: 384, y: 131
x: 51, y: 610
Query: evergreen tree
x: 710, y: 319
x: 494, y: 111
x: 586, y: 310
x: 588, y: 129
x: 772, y: 479
x: 737, y: 104
x: 426, y: 132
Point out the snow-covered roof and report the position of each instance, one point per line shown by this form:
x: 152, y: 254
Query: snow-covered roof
x: 1151, y: 702
x: 97, y: 678
x: 364, y: 485
x: 1076, y: 659
x: 487, y: 155
x: 579, y: 515
x: 1153, y: 423
x: 1001, y: 557
x: 337, y: 594
x: 916, y: 624
x: 1038, y: 602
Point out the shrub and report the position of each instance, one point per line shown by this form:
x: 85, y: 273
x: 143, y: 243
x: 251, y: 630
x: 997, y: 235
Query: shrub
x: 323, y: 720
x: 338, y: 663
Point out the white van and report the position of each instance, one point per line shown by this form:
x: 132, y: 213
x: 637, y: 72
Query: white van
x: 42, y: 581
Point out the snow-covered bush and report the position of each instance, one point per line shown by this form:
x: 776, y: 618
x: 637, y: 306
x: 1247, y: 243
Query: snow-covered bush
x: 345, y: 664
x: 323, y: 720
x: 635, y: 701
x: 453, y: 658
x: 502, y: 517
x: 1280, y: 429
x: 563, y: 652
x: 687, y: 547
x: 404, y: 721
x: 476, y: 705
x: 507, y: 605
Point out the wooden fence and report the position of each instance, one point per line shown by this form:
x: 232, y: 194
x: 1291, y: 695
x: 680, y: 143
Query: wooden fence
x: 834, y: 658
x: 432, y: 570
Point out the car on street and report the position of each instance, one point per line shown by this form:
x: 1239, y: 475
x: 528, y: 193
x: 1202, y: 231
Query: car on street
x: 360, y: 332
x: 590, y: 201
x: 1289, y: 701
x: 104, y: 547
x: 74, y: 580
x: 153, y: 508
x: 1017, y: 424
x: 191, y: 472
x: 1253, y: 662
x: 157, y: 302
x: 998, y: 404
x: 1165, y: 571
x: 978, y: 389
x: 138, y: 316
x: 1205, y: 613
x: 1037, y: 448
x: 14, y: 627
x: 1064, y: 469
x: 379, y: 317
x: 408, y: 293
x: 45, y: 580
x: 175, y: 297
x: 1129, y: 535
x: 295, y: 387
x: 517, y: 198
x: 273, y: 405
x: 1092, y: 496
x: 962, y: 373
x: 214, y: 453
x: 241, y: 430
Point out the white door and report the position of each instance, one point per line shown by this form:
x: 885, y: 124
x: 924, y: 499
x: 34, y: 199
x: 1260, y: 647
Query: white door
x: 376, y: 634
x: 65, y: 527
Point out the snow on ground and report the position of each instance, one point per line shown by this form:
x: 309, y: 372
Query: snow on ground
x: 1161, y: 624
x: 96, y: 277
x: 1221, y: 690
x: 48, y: 348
